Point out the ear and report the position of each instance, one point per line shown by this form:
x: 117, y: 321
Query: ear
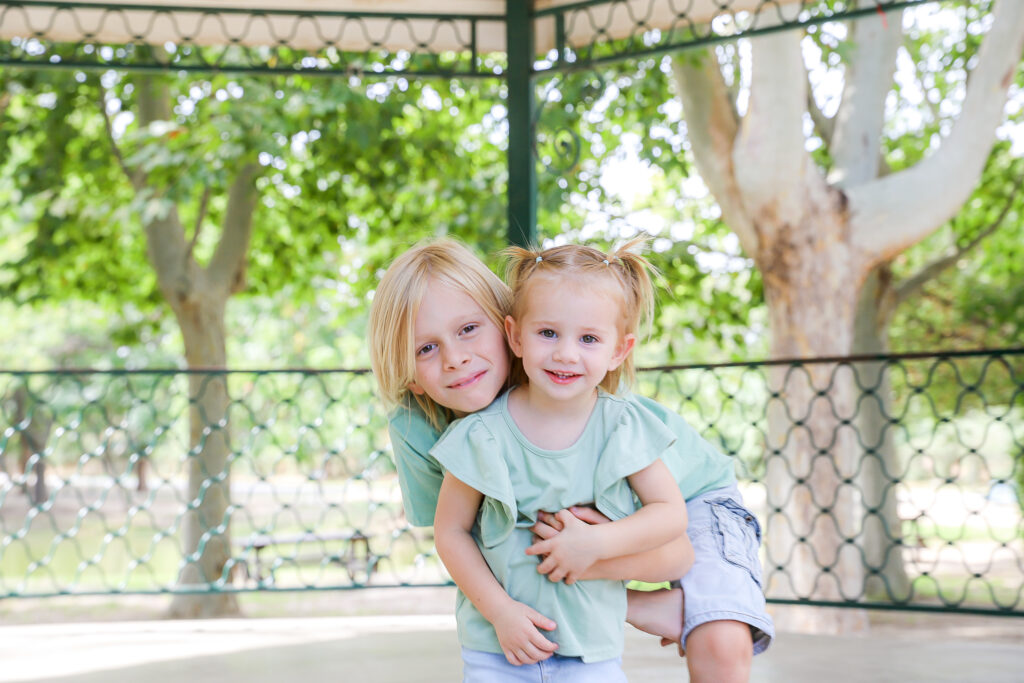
x: 622, y: 351
x: 415, y: 388
x: 514, y: 334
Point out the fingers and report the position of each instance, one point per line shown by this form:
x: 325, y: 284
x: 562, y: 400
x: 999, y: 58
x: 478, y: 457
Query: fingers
x: 557, y: 574
x: 588, y: 514
x: 544, y: 530
x: 565, y: 517
x: 541, y: 621
x: 549, y: 519
x: 539, y: 548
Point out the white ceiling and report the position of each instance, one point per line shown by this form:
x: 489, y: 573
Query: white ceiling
x: 583, y: 26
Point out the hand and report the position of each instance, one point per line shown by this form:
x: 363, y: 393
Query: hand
x: 588, y: 514
x: 517, y: 632
x: 547, y: 525
x: 569, y: 551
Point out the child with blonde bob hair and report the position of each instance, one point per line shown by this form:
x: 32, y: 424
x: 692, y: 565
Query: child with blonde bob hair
x: 439, y: 353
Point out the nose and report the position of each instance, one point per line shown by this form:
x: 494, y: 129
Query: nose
x: 454, y: 356
x: 565, y: 352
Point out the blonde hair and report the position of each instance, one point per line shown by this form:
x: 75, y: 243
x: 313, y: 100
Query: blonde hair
x: 397, y: 300
x: 626, y: 271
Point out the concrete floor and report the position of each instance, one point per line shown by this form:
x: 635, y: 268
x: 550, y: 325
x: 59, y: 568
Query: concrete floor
x: 408, y: 649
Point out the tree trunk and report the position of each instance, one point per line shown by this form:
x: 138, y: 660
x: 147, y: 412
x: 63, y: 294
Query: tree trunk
x: 207, y: 537
x: 813, y: 503
x: 198, y: 296
x: 881, y: 471
x: 34, y: 434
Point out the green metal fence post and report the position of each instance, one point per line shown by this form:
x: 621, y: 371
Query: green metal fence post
x: 522, y: 172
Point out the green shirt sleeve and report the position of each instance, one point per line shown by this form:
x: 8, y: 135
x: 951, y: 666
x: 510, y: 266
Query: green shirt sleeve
x: 419, y: 474
x: 471, y: 454
x: 637, y: 440
x: 696, y: 465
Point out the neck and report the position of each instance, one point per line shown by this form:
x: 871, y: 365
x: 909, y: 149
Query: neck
x: 547, y: 423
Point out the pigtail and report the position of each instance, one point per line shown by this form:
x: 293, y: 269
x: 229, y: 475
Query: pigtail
x: 637, y: 279
x: 520, y: 264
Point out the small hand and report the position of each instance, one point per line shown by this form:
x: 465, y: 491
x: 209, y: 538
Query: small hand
x: 547, y: 525
x: 588, y: 514
x: 569, y: 552
x: 518, y: 636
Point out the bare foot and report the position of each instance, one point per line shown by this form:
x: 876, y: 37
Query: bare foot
x: 659, y: 613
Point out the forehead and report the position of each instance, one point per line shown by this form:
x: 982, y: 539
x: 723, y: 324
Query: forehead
x: 442, y: 304
x: 596, y: 298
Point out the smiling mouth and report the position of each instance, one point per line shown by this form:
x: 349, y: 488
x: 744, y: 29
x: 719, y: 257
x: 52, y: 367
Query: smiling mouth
x: 469, y: 381
x: 562, y: 377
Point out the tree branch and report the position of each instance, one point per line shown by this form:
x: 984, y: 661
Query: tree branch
x: 712, y: 124
x: 134, y: 177
x: 915, y: 283
x: 857, y: 141
x: 204, y: 202
x: 770, y: 161
x: 932, y: 106
x: 825, y: 126
x: 165, y: 235
x: 227, y: 267
x: 890, y: 214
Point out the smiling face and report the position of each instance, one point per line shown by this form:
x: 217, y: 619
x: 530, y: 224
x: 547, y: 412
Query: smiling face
x: 461, y: 356
x: 569, y: 337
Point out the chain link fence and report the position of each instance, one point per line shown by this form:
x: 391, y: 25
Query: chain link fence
x: 102, y: 473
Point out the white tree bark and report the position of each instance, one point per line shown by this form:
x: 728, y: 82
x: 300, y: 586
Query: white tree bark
x: 893, y: 213
x: 880, y: 471
x: 816, y: 244
x: 711, y: 113
x: 857, y: 136
x: 773, y: 171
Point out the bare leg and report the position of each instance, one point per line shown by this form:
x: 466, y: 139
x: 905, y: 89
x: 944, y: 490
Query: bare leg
x: 720, y: 652
x: 659, y: 612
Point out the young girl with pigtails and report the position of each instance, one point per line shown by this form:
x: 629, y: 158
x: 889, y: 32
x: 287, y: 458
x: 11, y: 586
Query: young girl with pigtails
x: 559, y: 438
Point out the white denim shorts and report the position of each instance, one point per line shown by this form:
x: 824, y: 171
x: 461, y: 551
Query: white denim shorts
x: 725, y: 580
x: 488, y: 667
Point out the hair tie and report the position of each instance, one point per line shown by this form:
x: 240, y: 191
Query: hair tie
x: 540, y: 258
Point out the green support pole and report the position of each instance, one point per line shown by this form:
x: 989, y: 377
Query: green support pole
x: 522, y: 171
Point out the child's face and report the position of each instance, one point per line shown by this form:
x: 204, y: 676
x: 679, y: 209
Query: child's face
x: 568, y: 338
x: 461, y: 356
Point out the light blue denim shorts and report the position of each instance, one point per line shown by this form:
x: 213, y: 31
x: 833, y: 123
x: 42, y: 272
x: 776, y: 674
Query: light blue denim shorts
x: 725, y: 580
x: 488, y: 667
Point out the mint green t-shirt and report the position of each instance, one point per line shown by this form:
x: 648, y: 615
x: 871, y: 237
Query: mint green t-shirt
x: 487, y: 451
x: 698, y: 467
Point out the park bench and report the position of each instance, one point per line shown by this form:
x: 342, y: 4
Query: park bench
x: 310, y: 549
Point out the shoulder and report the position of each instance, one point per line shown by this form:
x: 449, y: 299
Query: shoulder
x: 628, y: 408
x: 473, y: 429
x: 408, y: 425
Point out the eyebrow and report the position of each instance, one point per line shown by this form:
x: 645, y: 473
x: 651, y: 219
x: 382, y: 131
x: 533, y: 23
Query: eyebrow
x: 585, y: 330
x: 462, y: 323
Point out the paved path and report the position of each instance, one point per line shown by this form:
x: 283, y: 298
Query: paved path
x: 423, y: 648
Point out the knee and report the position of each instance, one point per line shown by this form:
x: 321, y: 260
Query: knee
x: 720, y: 651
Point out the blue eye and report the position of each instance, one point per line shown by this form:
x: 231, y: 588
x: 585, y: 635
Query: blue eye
x: 425, y: 349
x: 589, y: 339
x: 548, y: 334
x: 469, y: 328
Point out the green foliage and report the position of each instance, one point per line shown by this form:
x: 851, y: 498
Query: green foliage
x: 353, y: 171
